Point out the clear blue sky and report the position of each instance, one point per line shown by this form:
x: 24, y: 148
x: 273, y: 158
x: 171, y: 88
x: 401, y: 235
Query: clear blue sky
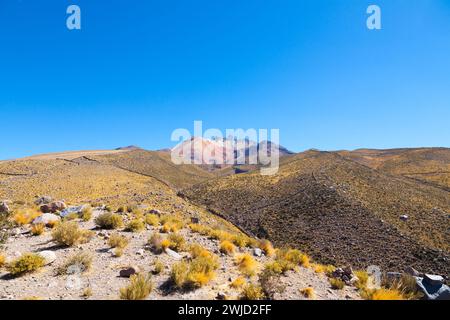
x: 139, y: 69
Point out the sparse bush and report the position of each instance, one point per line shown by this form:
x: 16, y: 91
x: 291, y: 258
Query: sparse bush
x: 53, y: 224
x: 385, y: 294
x: 23, y: 217
x: 327, y: 269
x: 118, y: 241
x: 158, y: 267
x: 155, y: 242
x: 135, y: 225
x: 68, y: 233
x: 308, y: 293
x: 195, y: 274
x: 240, y: 240
x: 138, y: 214
x: 37, y: 229
x: 238, y: 283
x: 2, y: 259
x: 252, y: 292
x: 108, y: 209
x: 270, y: 283
x: 71, y: 216
x: 275, y: 267
x: 337, y: 284
x: 87, y: 293
x: 27, y: 263
x: 363, y: 277
x: 109, y: 220
x: 121, y: 209
x: 177, y: 242
x: 267, y: 247
x: 86, y: 213
x: 179, y: 272
x: 227, y: 247
x: 197, y: 250
x: 152, y: 219
x: 246, y: 264
x: 139, y: 288
x: 165, y: 244
x: 81, y: 261
x: 118, y: 252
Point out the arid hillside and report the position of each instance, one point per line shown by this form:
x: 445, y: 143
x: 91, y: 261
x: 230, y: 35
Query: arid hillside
x: 431, y: 165
x: 339, y: 211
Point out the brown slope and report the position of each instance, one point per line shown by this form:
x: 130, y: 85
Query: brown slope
x: 430, y: 165
x: 157, y: 165
x: 339, y: 211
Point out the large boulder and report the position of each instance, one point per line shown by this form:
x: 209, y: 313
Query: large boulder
x: 128, y: 272
x: 53, y: 207
x: 4, y: 208
x: 43, y: 200
x: 433, y: 287
x: 49, y: 256
x: 47, y: 219
x: 72, y: 209
x: 345, y: 274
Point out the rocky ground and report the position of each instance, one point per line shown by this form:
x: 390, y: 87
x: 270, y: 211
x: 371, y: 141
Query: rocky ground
x: 104, y: 281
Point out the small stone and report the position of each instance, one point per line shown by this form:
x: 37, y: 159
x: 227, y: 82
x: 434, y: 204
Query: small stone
x: 404, y: 217
x: 140, y: 252
x: 257, y: 252
x: 128, y: 272
x: 413, y: 272
x: 4, y: 207
x: 173, y: 254
x: 221, y: 296
x: 49, y: 256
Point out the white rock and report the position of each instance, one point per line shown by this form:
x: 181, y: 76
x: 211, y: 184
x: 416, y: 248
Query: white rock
x: 257, y: 252
x: 49, y: 256
x: 140, y: 252
x: 173, y: 254
x: 46, y: 219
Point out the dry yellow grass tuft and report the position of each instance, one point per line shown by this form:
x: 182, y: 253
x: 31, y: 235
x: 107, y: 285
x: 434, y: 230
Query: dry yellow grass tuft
x: 386, y: 294
x: 246, y: 264
x: 2, y: 259
x: 227, y: 247
x: 337, y: 284
x: 80, y: 262
x: 308, y: 293
x: 194, y: 274
x: 37, y: 229
x: 326, y: 269
x: 86, y: 213
x: 252, y: 292
x: 139, y: 288
x: 26, y: 263
x: 238, y: 283
x: 68, y: 233
x: 109, y: 220
x: 118, y: 241
x: 25, y: 216
x: 136, y: 225
x: 267, y: 247
x: 152, y: 219
x: 177, y: 242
